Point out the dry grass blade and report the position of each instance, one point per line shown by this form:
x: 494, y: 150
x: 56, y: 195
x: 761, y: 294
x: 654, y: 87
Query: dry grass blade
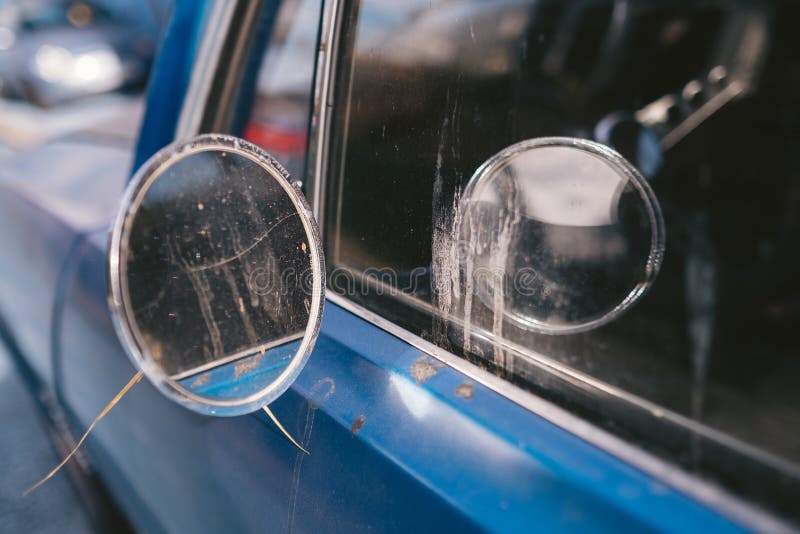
x: 109, y: 406
x: 280, y: 426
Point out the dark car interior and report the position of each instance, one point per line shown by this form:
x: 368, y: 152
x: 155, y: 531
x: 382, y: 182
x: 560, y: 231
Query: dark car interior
x: 702, y: 98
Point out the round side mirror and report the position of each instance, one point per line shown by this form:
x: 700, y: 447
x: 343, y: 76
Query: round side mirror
x: 216, y: 275
x: 563, y: 235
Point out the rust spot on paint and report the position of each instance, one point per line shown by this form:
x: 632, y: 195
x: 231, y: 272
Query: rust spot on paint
x: 245, y: 366
x: 357, y: 424
x: 201, y: 380
x: 155, y: 347
x: 423, y: 369
x: 465, y: 390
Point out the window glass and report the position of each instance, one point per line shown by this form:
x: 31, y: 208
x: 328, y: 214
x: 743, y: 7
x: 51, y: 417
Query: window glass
x: 279, y: 119
x: 703, y: 98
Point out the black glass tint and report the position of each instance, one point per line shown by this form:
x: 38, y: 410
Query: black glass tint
x: 702, y: 98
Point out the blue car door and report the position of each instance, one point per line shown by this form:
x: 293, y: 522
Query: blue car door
x: 403, y: 435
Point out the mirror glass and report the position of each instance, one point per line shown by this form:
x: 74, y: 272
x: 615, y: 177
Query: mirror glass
x: 216, y: 275
x: 559, y: 235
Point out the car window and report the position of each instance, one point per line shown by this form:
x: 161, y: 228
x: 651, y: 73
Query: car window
x: 701, y: 97
x: 279, y: 119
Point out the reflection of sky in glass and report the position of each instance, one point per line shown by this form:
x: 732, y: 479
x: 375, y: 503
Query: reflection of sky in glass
x: 411, y: 33
x: 558, y: 215
x: 562, y: 186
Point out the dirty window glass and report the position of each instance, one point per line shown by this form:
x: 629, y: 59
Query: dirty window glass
x: 703, y: 98
x: 279, y: 119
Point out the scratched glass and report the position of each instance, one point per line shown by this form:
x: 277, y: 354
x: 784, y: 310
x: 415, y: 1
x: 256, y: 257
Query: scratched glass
x: 219, y: 275
x: 701, y: 97
x: 559, y: 235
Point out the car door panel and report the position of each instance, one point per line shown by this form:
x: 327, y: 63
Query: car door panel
x: 394, y: 446
x: 48, y: 196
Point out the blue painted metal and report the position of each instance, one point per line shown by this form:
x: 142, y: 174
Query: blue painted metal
x: 170, y: 78
x: 48, y: 197
x: 28, y: 275
x: 388, y: 452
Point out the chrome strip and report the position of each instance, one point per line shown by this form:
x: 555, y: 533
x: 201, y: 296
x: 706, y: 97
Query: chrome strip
x: 577, y: 378
x: 703, y: 491
x: 204, y: 66
x: 323, y: 102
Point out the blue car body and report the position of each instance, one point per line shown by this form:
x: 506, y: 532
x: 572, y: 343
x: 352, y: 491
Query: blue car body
x: 399, y: 440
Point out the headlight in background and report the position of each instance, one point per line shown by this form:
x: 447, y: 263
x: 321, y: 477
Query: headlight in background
x: 91, y: 71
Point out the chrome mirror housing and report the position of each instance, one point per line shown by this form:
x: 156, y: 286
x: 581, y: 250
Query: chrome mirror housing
x: 216, y: 275
x: 559, y: 235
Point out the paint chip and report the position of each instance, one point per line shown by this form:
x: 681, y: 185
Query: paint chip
x: 201, y: 380
x: 423, y: 369
x: 245, y: 366
x: 357, y: 424
x: 465, y: 390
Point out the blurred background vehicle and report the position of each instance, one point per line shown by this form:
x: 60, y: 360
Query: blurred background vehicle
x: 65, y: 65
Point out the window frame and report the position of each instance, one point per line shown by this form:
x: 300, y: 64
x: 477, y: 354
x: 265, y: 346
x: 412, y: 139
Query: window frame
x: 199, y: 109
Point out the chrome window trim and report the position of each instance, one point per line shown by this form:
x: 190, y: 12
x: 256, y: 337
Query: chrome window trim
x: 575, y: 377
x: 195, y: 105
x: 322, y: 103
x: 703, y: 491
